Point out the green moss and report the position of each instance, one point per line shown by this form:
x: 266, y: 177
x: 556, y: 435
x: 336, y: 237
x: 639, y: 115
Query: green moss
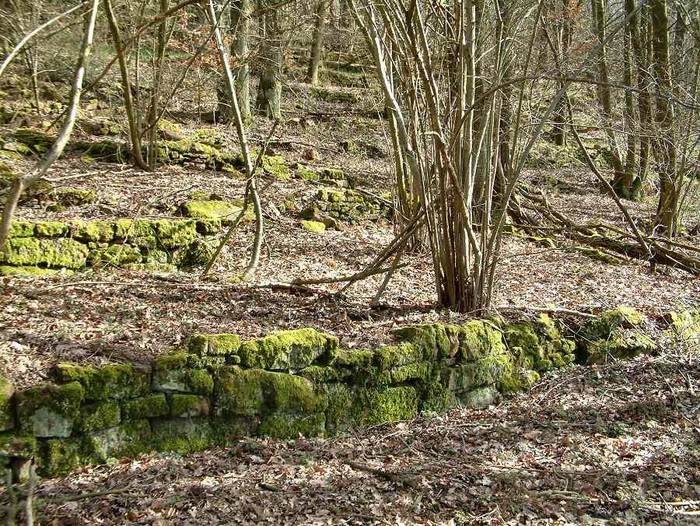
x: 397, y: 355
x: 479, y: 338
x: 339, y: 408
x: 276, y: 166
x: 98, y: 416
x: 55, y: 253
x: 492, y: 369
x: 114, y: 381
x: 217, y: 210
x: 50, y: 410
x: 315, y: 227
x: 141, y: 233
x: 603, y: 327
x: 374, y: 406
x: 214, y: 344
x: 173, y: 373
x: 254, y: 391
x: 176, y: 234
x: 307, y: 174
x: 50, y: 229
x: 188, y: 406
x: 59, y: 457
x: 21, y: 229
x: 284, y: 425
x: 14, y: 446
x: 621, y: 345
x: 323, y: 374
x: 67, y: 197
x: 287, y: 350
x: 183, y: 435
x: 126, y: 440
x: 151, y: 406
x: 421, y: 371
x: 115, y: 255
x: 239, y: 392
x: 354, y: 359
x: 7, y: 420
x: 685, y: 325
x: 436, y: 398
x: 436, y: 341
x: 92, y: 231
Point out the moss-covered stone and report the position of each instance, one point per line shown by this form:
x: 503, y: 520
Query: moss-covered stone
x: 98, y: 416
x: 114, y: 381
x: 50, y: 229
x: 480, y: 338
x: 92, y: 231
x: 15, y: 452
x: 412, y: 372
x: 287, y: 350
x: 128, y: 439
x: 140, y: 233
x: 218, y: 210
x: 397, y: 355
x: 315, y: 227
x: 436, y: 397
x: 214, y: 344
x: 623, y: 344
x: 68, y: 197
x: 21, y: 229
x: 7, y: 419
x: 174, y: 234
x: 489, y: 370
x: 183, y: 435
x: 115, y: 256
x: 539, y: 345
x: 59, y: 457
x: 436, y: 341
x: 307, y: 174
x: 173, y: 373
x: 480, y: 398
x: 339, y: 417
x: 614, y: 334
x: 323, y: 374
x: 602, y: 328
x: 276, y: 166
x: 373, y: 406
x: 685, y: 325
x: 55, y: 253
x: 50, y: 410
x: 291, y: 425
x: 151, y: 406
x: 255, y: 392
x: 188, y: 406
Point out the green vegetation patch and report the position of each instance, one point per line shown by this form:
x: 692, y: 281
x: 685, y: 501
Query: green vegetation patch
x: 224, y: 211
x: 53, y: 253
x: 151, y: 406
x: 188, y: 406
x: 434, y: 340
x: 173, y: 373
x: 50, y: 410
x: 214, y: 344
x: 374, y: 406
x: 128, y: 439
x: 287, y: 350
x: 7, y: 420
x: 98, y: 416
x: 293, y: 425
x: 114, y: 381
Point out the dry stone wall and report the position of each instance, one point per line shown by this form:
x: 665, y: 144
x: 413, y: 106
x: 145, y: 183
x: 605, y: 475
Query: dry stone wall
x: 218, y: 388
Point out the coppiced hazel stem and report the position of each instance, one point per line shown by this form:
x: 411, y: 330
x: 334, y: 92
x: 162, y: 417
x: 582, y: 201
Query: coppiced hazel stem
x: 24, y: 182
x: 243, y: 140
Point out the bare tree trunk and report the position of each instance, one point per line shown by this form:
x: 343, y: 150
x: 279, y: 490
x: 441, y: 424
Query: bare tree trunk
x: 665, y: 144
x: 243, y: 140
x: 134, y: 128
x: 269, y: 99
x: 317, y: 42
x: 240, y: 47
x: 153, y: 110
x: 59, y: 145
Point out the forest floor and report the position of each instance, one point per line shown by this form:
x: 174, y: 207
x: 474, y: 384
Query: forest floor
x: 616, y: 443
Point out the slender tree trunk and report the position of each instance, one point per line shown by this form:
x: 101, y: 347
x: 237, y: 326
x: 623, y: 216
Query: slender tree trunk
x: 59, y: 145
x: 153, y: 110
x: 240, y: 47
x: 665, y: 145
x: 134, y: 129
x: 317, y: 42
x: 269, y: 99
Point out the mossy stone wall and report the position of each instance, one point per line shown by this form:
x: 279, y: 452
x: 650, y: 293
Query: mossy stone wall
x: 301, y: 382
x: 48, y: 246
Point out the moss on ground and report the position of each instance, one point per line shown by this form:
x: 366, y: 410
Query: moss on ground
x: 315, y: 227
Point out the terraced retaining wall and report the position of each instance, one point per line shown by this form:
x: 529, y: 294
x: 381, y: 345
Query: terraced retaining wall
x: 167, y: 244
x: 301, y: 382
